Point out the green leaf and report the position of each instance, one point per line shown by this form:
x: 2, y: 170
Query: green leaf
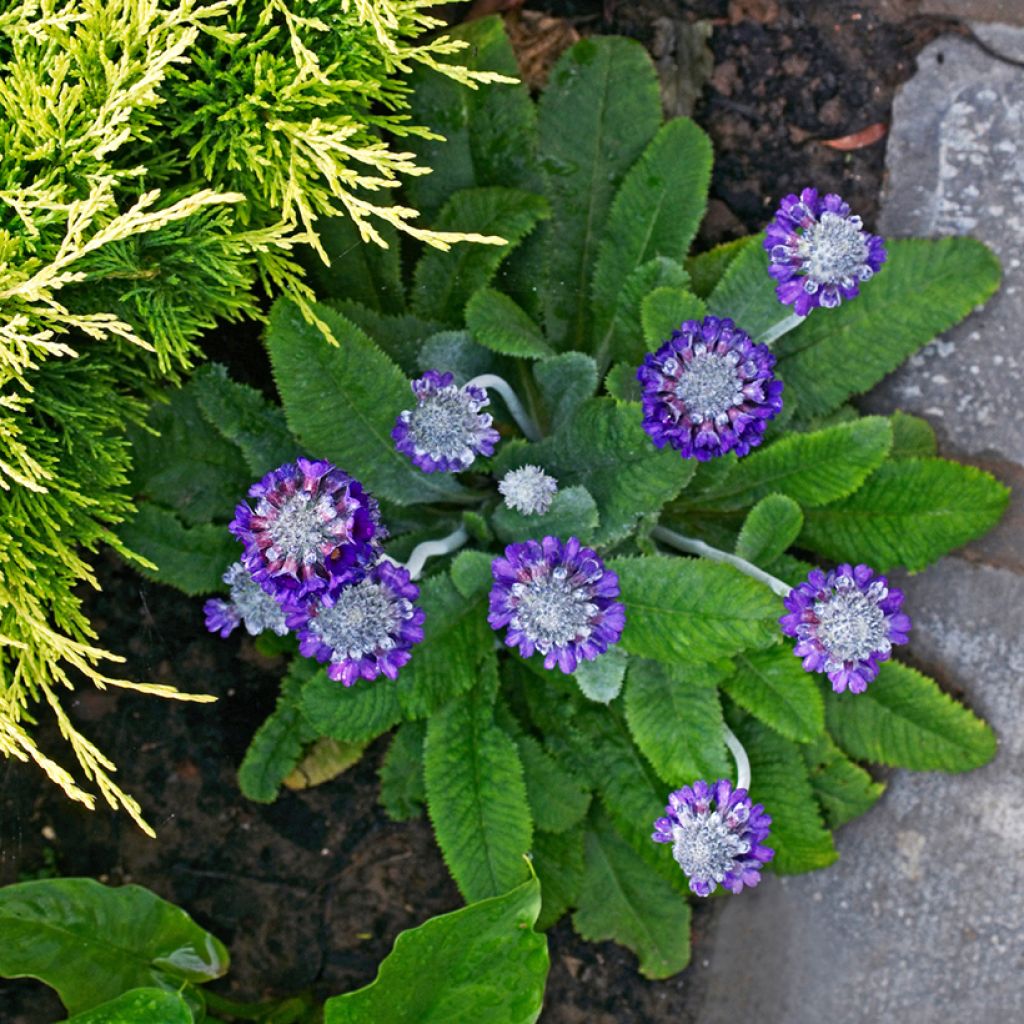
x: 746, y: 292
x: 497, y: 323
x: 363, y: 711
x: 771, y: 526
x: 558, y: 800
x: 91, y: 942
x: 912, y: 437
x: 342, y: 401
x: 138, y: 1006
x: 908, y: 513
x: 924, y: 288
x: 403, y: 791
x: 779, y: 781
x: 656, y: 211
x: 483, y: 962
x: 693, y: 610
x: 601, y: 680
x: 489, y: 134
x: 599, y: 111
x: 707, y: 268
x: 903, y: 719
x: 458, y: 353
x: 444, y: 281
x: 623, y: 340
x: 558, y: 861
x: 277, y: 747
x: 444, y: 663
x: 676, y: 719
x: 663, y: 311
x: 399, y: 335
x: 471, y: 572
x: 564, y: 382
x: 476, y: 797
x: 622, y: 899
x: 191, y: 558
x: 773, y: 686
x: 188, y: 467
x: 573, y: 511
x: 812, y: 469
x: 323, y: 761
x: 621, y: 383
x: 246, y: 418
x: 844, y: 790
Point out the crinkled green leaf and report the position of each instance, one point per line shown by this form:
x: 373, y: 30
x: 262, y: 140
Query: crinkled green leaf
x: 746, y: 293
x: 342, y: 401
x: 924, y: 288
x: 362, y: 711
x: 323, y: 761
x: 476, y: 796
x: 481, y: 963
x: 693, y: 610
x: 662, y: 312
x: 908, y: 513
x: 706, y: 269
x: 656, y: 211
x: 399, y: 335
x: 92, y: 942
x: 277, y: 747
x: 599, y: 111
x: 558, y: 800
x: 191, y: 558
x: 912, y: 437
x: 675, y: 717
x: 573, y: 512
x: 138, y: 1006
x: 770, y: 527
x: 471, y: 572
x: 903, y: 719
x: 621, y: 383
x: 558, y: 861
x: 844, y: 789
x: 444, y: 280
x: 773, y: 686
x: 812, y: 469
x: 601, y: 680
x: 621, y: 898
x: 564, y: 382
x: 403, y: 791
x: 458, y: 353
x: 498, y: 323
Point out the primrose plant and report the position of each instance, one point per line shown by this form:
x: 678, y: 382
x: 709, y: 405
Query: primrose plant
x: 587, y: 519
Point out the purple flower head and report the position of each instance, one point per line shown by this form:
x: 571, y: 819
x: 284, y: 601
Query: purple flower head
x: 361, y: 629
x: 556, y: 598
x: 716, y: 835
x: 249, y: 603
x: 819, y: 252
x: 845, y: 622
x: 528, y: 490
x: 446, y: 431
x: 312, y: 525
x: 709, y: 390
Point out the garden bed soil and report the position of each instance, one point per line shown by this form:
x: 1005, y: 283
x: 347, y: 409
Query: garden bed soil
x: 311, y: 891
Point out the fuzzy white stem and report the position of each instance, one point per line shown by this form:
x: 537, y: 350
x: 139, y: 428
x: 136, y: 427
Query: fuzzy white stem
x: 430, y: 548
x: 698, y: 547
x: 775, y: 332
x: 739, y: 756
x: 519, y: 413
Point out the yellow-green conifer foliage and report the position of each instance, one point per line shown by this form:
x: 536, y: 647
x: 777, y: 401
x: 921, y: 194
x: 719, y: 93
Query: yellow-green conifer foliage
x: 161, y: 162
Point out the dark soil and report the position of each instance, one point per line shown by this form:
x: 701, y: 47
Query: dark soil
x: 313, y: 889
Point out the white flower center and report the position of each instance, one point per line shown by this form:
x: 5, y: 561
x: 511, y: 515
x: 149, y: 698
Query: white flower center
x: 709, y: 386
x: 301, y: 527
x: 258, y: 609
x: 705, y: 847
x: 851, y: 626
x: 363, y: 621
x: 528, y: 490
x: 551, y: 612
x: 834, y: 249
x: 445, y: 424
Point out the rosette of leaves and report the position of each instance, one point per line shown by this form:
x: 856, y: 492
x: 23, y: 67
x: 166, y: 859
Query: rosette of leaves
x: 600, y: 202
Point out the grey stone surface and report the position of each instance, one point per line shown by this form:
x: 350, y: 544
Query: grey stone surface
x: 1008, y: 11
x: 922, y: 919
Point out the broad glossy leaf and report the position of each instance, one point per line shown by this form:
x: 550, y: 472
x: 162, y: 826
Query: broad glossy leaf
x: 481, y: 963
x: 138, y: 1006
x: 773, y: 686
x: 92, y: 942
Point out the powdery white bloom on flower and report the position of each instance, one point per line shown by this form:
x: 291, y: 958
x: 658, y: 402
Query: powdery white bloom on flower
x: 528, y: 490
x: 249, y: 604
x: 556, y: 598
x: 446, y: 431
x: 716, y: 835
x: 364, y: 629
x: 819, y: 252
x: 709, y: 390
x: 845, y: 622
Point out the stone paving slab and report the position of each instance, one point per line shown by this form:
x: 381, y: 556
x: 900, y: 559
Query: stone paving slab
x: 1010, y: 12
x: 922, y: 919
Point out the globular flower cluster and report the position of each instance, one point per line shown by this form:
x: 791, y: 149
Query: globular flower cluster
x: 819, y: 252
x: 528, y: 490
x: 312, y: 563
x: 845, y: 622
x: 709, y: 390
x: 557, y: 598
x: 447, y: 430
x: 716, y: 835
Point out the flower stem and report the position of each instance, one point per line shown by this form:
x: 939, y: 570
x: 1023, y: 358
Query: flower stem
x: 739, y: 756
x: 698, y: 547
x: 770, y: 336
x: 429, y: 548
x: 519, y: 413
